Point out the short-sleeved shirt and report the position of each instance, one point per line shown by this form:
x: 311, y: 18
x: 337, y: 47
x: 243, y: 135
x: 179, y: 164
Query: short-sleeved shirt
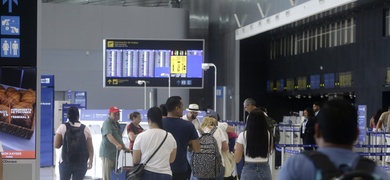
x: 136, y: 130
x: 242, y: 140
x: 107, y: 149
x: 223, y: 126
x: 384, y: 118
x: 195, y: 122
x: 62, y: 129
x: 183, y: 132
x: 300, y: 167
x: 148, y: 142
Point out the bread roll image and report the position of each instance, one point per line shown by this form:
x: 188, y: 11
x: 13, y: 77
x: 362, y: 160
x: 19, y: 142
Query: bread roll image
x: 28, y: 97
x: 11, y: 89
x: 8, y: 101
x: 23, y: 105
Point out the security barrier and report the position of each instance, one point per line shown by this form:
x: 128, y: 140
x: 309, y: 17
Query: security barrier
x: 373, y: 148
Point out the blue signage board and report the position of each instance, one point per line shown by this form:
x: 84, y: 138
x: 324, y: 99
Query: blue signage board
x: 18, y: 33
x: 10, y: 47
x: 69, y: 95
x: 93, y: 114
x: 10, y: 25
x: 362, y: 117
x: 65, y: 108
x: 126, y: 113
x: 219, y: 92
x: 47, y: 81
x: 47, y: 120
x: 80, y: 97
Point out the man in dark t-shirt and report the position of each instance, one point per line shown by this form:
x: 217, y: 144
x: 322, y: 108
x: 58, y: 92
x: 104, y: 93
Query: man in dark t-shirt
x: 184, y: 133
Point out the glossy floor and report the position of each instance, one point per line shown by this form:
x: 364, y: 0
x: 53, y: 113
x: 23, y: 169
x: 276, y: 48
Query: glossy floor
x: 49, y: 173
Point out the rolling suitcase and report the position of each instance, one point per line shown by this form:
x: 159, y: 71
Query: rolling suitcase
x: 123, y: 164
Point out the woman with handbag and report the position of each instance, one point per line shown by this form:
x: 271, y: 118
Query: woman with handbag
x: 155, y: 148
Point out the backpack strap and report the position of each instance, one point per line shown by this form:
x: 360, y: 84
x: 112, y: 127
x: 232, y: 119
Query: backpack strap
x: 363, y: 169
x: 213, y: 130
x: 67, y: 124
x: 364, y: 164
x: 201, y: 132
x: 323, y: 163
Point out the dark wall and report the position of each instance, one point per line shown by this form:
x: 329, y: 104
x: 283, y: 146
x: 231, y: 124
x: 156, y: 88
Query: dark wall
x: 367, y: 59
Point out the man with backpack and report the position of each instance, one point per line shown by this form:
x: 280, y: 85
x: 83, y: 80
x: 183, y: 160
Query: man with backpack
x: 335, y: 133
x: 272, y: 127
x: 77, y: 149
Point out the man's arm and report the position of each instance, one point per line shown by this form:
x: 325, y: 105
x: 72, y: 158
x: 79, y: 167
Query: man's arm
x: 195, y: 146
x: 112, y: 140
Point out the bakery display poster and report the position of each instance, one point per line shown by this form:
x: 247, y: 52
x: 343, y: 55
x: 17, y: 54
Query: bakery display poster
x: 17, y: 113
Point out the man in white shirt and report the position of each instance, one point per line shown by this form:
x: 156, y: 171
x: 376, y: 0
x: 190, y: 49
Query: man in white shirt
x: 192, y: 113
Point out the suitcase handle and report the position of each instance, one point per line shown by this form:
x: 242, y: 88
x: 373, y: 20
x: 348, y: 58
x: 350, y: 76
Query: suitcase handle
x: 118, y: 170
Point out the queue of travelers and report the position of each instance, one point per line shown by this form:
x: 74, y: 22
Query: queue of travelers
x: 182, y: 141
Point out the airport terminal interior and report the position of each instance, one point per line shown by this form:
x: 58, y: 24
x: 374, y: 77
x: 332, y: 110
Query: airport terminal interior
x: 134, y: 54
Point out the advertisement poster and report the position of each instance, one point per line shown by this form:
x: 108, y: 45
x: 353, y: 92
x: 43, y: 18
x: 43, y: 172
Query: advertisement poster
x: 18, y: 112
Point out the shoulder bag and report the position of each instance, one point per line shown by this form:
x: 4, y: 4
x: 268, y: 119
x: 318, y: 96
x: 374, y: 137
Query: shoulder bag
x: 136, y: 172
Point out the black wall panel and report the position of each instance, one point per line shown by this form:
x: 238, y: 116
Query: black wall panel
x: 367, y: 59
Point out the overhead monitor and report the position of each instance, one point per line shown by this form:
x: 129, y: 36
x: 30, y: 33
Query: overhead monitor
x: 302, y: 83
x: 329, y: 80
x: 315, y: 81
x: 130, y: 62
x: 290, y: 84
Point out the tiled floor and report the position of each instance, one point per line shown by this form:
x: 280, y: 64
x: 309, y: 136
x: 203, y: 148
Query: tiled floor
x: 51, y: 173
x: 48, y: 173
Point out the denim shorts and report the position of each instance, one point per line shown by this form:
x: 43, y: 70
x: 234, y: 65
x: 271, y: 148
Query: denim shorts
x: 256, y: 171
x: 148, y: 175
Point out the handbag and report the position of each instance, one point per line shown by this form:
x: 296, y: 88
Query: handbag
x: 137, y: 171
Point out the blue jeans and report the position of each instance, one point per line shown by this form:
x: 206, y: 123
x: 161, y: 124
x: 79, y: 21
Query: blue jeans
x: 189, y: 156
x: 148, y: 175
x: 78, y: 170
x: 254, y: 171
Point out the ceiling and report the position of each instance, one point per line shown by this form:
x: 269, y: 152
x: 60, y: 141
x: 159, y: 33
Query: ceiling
x: 138, y: 3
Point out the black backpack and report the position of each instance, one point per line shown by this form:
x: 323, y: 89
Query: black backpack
x: 208, y: 162
x: 74, y: 148
x: 363, y: 167
x: 273, y: 130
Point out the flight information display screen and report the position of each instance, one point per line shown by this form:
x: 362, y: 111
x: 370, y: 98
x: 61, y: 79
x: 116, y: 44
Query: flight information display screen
x: 128, y: 61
